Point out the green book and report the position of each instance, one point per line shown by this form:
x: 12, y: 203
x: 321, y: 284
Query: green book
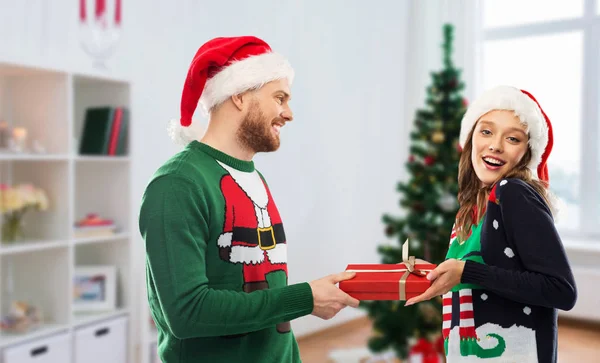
x: 95, y: 135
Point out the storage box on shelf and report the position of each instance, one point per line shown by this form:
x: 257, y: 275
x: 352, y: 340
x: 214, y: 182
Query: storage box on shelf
x: 49, y: 108
x: 50, y: 349
x: 102, y: 342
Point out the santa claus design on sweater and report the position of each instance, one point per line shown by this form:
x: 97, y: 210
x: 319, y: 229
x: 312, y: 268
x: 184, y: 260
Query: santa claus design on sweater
x: 253, y: 233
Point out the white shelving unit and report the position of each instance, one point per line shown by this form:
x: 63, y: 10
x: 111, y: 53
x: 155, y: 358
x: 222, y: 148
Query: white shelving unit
x: 51, y: 104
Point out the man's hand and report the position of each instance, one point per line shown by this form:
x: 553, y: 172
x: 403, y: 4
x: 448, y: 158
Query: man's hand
x: 328, y: 298
x: 445, y: 276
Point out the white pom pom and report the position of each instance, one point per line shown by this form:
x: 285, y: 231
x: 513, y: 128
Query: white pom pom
x: 557, y: 205
x: 184, y: 135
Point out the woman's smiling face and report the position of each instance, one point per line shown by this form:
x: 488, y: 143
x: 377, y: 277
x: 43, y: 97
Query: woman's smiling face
x: 499, y: 142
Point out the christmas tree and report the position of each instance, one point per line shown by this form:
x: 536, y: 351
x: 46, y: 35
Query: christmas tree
x: 429, y: 201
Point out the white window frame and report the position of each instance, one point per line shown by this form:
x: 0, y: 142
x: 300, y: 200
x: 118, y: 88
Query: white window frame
x: 589, y: 24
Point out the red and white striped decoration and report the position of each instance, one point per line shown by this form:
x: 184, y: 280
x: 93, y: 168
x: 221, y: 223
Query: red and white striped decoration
x: 467, y: 321
x: 446, y: 313
x: 453, y: 234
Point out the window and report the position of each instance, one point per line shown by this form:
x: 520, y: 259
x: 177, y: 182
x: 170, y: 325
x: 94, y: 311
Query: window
x: 553, y: 51
x: 499, y: 13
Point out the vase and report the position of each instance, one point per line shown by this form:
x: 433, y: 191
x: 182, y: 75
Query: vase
x: 12, y: 229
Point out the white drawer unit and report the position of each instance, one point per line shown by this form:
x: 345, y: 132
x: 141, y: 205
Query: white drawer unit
x: 52, y: 349
x: 102, y: 342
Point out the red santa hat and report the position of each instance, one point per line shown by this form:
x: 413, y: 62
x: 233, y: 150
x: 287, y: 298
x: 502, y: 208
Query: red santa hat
x: 221, y: 68
x: 531, y: 114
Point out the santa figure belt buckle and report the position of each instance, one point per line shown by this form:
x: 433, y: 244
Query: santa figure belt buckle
x: 272, y: 236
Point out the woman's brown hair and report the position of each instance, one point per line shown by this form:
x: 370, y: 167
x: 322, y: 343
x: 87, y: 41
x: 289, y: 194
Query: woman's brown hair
x: 472, y: 197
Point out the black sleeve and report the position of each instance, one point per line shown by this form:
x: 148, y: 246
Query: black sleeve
x: 547, y: 279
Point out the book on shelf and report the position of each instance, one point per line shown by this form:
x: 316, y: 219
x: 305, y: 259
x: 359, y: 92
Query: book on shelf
x: 103, y: 231
x: 94, y: 226
x: 105, y: 131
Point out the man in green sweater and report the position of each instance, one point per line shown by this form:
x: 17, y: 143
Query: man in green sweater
x: 216, y: 250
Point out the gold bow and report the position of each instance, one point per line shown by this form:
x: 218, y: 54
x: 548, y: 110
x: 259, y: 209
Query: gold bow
x: 409, y: 261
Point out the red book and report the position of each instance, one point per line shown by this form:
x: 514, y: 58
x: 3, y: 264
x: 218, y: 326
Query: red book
x: 114, y: 136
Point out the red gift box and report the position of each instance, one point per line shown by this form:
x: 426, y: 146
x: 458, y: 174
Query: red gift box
x: 387, y: 281
x: 400, y: 281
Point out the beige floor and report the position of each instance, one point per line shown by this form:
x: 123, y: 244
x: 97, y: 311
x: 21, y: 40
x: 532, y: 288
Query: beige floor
x: 578, y: 343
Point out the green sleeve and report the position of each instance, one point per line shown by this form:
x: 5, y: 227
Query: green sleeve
x: 174, y: 224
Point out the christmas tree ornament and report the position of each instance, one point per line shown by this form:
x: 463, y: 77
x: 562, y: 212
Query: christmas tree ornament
x: 389, y: 231
x: 438, y: 137
x: 458, y: 146
x: 453, y: 82
x: 448, y: 202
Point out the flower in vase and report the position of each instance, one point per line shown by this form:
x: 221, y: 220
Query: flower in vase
x: 11, y: 200
x: 27, y: 193
x: 15, y: 201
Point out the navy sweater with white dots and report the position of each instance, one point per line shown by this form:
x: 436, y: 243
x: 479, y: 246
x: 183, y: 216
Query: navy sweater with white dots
x: 505, y: 309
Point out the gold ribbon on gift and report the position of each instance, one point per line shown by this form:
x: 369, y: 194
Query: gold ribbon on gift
x: 409, y: 262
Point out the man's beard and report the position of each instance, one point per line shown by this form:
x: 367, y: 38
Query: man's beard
x: 255, y: 131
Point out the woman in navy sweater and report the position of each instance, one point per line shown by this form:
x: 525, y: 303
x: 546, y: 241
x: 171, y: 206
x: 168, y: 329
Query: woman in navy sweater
x: 506, y: 271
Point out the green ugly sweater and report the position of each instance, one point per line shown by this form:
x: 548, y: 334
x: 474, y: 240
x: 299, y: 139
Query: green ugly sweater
x: 216, y: 262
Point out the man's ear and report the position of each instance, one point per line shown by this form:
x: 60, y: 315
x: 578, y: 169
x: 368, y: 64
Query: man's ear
x: 239, y: 100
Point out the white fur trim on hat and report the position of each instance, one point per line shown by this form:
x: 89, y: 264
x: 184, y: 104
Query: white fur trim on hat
x: 250, y: 73
x: 183, y: 135
x: 512, y: 99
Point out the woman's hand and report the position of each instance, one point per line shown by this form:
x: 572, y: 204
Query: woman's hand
x: 445, y: 276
